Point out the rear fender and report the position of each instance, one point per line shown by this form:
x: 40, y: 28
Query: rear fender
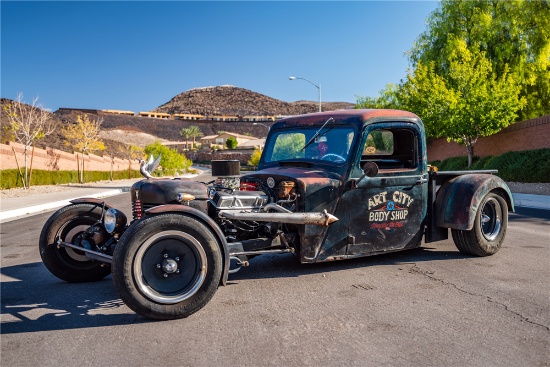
x: 458, y: 199
x: 209, y: 222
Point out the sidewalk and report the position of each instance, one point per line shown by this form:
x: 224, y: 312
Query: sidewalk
x: 13, y: 208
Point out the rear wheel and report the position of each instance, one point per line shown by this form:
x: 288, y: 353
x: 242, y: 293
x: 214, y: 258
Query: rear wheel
x: 70, y: 224
x: 489, y: 230
x: 167, y: 266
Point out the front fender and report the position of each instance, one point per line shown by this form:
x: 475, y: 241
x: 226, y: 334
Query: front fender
x: 458, y: 199
x: 93, y: 201
x: 209, y: 222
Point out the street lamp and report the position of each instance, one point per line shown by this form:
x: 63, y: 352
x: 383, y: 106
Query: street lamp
x: 264, y: 125
x: 315, y: 85
x: 259, y: 123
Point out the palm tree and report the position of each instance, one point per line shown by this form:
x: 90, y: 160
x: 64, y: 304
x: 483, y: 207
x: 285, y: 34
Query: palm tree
x: 195, y: 132
x: 186, y: 133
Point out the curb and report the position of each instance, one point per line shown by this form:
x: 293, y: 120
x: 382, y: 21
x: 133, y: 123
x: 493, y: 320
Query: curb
x: 15, y: 213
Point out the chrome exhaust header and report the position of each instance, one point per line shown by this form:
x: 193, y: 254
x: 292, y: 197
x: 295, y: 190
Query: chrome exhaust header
x: 317, y: 219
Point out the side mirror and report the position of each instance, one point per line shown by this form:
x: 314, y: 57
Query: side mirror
x: 370, y: 169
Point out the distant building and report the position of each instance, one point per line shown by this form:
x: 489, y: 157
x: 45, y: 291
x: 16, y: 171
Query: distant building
x: 158, y: 115
x: 221, y: 118
x: 119, y: 112
x: 187, y: 116
x: 258, y: 118
x: 252, y: 144
x: 180, y: 146
x: 208, y: 141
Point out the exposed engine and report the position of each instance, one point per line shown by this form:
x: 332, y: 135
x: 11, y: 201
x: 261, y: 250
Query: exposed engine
x: 255, y: 214
x: 241, y: 206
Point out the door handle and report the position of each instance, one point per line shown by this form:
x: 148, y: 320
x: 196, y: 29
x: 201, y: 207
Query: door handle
x: 421, y: 181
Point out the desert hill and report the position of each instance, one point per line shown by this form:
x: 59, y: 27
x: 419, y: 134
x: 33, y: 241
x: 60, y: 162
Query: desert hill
x: 230, y: 100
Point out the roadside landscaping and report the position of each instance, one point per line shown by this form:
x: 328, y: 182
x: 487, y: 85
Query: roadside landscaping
x: 528, y: 166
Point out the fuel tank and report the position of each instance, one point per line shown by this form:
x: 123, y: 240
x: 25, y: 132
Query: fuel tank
x: 153, y: 192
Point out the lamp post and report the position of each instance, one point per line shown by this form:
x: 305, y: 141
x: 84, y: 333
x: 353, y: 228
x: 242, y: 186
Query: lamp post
x: 264, y: 125
x: 315, y: 85
x: 259, y: 123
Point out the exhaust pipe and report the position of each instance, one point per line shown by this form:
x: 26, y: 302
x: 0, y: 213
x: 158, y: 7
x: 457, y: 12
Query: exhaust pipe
x: 317, y: 219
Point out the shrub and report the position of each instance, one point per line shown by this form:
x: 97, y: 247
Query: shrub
x: 231, y: 142
x: 454, y: 164
x: 524, y: 166
x: 255, y: 158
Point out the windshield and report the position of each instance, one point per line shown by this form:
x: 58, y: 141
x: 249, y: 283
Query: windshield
x: 333, y: 144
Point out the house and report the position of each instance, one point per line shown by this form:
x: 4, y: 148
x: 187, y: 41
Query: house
x: 208, y: 141
x: 187, y: 116
x: 158, y: 115
x: 177, y: 145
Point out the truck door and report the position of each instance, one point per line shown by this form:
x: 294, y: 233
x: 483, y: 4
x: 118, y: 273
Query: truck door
x: 387, y: 212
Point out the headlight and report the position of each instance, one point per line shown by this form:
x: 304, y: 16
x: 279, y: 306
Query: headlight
x: 114, y: 220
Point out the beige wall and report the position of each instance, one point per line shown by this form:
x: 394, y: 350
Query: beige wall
x: 57, y: 160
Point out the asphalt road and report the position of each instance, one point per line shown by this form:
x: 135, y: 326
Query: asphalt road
x: 426, y: 307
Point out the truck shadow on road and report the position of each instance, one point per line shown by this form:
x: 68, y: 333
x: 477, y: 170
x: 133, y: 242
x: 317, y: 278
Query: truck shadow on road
x: 33, y: 300
x: 288, y: 266
x: 44, y: 303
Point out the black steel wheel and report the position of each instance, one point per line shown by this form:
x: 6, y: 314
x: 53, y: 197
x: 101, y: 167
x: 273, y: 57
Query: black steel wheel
x: 489, y: 230
x: 69, y: 224
x: 167, y: 266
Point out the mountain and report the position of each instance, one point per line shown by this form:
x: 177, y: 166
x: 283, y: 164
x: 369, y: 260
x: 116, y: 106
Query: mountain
x: 234, y: 101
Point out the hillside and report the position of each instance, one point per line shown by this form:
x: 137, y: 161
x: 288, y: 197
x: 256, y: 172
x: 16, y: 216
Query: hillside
x: 221, y: 100
x: 230, y: 100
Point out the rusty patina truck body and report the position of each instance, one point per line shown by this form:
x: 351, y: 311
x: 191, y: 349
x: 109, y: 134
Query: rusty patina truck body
x: 329, y: 186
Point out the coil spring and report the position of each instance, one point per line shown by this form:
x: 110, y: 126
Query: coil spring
x: 136, y: 209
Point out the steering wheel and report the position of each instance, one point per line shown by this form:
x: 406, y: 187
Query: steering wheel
x: 333, y: 157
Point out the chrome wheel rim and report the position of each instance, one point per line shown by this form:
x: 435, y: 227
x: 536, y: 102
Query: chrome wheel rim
x: 491, y: 218
x: 170, y: 267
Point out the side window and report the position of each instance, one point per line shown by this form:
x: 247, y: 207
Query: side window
x: 391, y: 149
x: 379, y: 142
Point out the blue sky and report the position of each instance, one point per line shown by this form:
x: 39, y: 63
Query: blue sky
x: 138, y: 55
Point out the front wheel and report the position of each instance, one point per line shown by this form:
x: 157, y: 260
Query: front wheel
x: 72, y: 224
x: 167, y: 266
x: 489, y: 230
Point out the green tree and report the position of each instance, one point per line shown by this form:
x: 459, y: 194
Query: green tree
x: 194, y: 133
x: 231, y: 142
x: 468, y: 102
x: 186, y: 133
x: 171, y: 160
x: 83, y: 136
x: 514, y: 36
x: 387, y: 98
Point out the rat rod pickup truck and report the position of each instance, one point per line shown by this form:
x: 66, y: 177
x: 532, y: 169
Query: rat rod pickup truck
x: 329, y: 186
